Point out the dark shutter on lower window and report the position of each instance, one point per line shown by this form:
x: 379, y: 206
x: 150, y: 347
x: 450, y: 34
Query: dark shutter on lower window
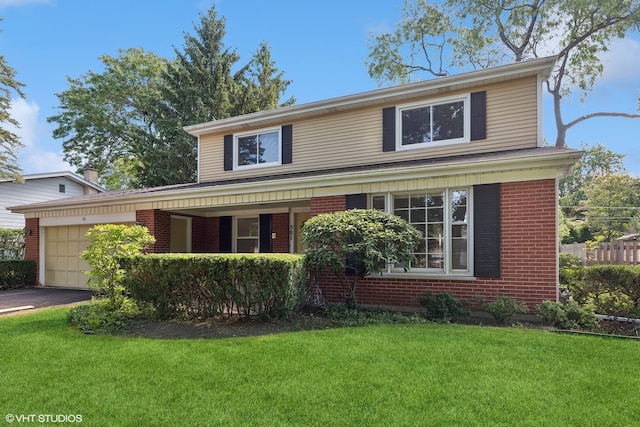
x: 389, y: 129
x: 264, y: 241
x: 226, y: 234
x: 486, y: 225
x: 356, y: 201
x: 478, y: 115
x: 287, y: 144
x: 228, y: 152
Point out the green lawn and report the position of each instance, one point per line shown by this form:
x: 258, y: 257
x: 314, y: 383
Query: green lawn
x: 396, y: 375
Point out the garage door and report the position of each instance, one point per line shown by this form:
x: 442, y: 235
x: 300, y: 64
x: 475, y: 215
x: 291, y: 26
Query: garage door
x: 63, y: 266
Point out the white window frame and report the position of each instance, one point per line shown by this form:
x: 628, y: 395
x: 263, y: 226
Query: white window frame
x: 447, y: 270
x: 256, y: 133
x: 466, y: 138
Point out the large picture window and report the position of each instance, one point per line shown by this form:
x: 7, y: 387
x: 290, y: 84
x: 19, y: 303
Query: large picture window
x: 257, y: 149
x: 443, y: 219
x: 441, y: 122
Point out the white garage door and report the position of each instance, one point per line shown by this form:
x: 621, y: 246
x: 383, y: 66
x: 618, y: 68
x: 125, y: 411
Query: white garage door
x: 63, y: 266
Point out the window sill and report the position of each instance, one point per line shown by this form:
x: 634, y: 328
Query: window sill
x: 428, y: 276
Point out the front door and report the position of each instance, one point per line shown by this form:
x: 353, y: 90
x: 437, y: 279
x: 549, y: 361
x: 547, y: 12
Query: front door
x: 299, y: 219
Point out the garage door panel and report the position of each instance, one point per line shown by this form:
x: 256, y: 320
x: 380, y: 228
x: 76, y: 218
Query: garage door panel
x: 63, y: 265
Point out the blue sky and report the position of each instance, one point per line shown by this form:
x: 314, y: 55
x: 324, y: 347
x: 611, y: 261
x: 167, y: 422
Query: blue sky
x: 321, y: 47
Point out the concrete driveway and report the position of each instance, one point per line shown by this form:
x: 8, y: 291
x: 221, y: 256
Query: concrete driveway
x: 17, y: 300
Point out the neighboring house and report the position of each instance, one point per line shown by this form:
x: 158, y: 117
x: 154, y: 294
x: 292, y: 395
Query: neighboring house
x: 461, y: 157
x: 42, y: 187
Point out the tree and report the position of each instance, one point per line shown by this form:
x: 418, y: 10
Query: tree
x: 596, y: 162
x: 613, y: 206
x: 10, y: 143
x: 358, y: 242
x: 432, y: 38
x: 128, y: 121
x: 105, y: 118
x: 201, y: 86
x: 108, y: 244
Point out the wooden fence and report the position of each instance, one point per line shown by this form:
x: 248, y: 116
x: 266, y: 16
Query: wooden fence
x: 616, y: 253
x: 623, y: 252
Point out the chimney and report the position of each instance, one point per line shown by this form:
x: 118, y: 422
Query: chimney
x: 91, y: 175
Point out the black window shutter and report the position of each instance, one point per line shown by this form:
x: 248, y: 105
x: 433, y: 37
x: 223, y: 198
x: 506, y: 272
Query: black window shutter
x: 228, y: 152
x: 486, y: 225
x: 265, y: 233
x: 389, y: 129
x: 226, y: 234
x: 287, y: 144
x: 478, y: 115
x: 356, y: 201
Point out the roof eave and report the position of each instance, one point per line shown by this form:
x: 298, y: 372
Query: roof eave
x: 561, y: 161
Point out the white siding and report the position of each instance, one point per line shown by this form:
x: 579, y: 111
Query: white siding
x: 32, y: 191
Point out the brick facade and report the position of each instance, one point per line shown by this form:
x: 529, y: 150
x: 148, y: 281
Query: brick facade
x: 280, y: 226
x: 528, y: 256
x: 159, y: 224
x: 327, y: 204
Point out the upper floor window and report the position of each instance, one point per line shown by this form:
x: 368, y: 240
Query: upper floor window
x: 257, y: 149
x: 444, y: 121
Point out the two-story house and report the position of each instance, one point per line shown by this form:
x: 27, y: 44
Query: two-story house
x: 460, y: 157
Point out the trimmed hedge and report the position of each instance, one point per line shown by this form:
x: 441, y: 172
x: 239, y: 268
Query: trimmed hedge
x: 16, y: 274
x: 197, y: 286
x: 609, y: 289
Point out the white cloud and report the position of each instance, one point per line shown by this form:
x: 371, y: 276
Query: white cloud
x: 26, y: 114
x: 41, y: 162
x: 621, y: 62
x: 34, y: 157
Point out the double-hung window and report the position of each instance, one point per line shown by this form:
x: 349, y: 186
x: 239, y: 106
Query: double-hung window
x: 257, y: 149
x: 444, y: 121
x: 442, y: 217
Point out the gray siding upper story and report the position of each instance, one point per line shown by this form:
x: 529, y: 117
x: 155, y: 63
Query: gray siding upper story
x: 39, y: 188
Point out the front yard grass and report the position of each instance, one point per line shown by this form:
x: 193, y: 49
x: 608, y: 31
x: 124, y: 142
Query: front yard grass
x: 400, y: 375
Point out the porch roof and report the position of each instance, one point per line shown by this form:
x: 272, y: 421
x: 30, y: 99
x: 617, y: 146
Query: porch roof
x: 556, y: 159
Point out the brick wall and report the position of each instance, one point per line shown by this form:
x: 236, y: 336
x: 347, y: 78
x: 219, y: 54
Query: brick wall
x: 32, y: 244
x: 327, y: 204
x: 528, y: 256
x: 280, y: 226
x: 159, y: 224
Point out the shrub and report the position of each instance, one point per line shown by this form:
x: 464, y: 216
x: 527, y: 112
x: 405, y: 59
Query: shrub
x: 345, y: 316
x: 568, y: 316
x: 109, y: 243
x: 569, y: 261
x: 503, y: 309
x: 101, y: 317
x: 11, y: 243
x: 443, y: 307
x: 608, y: 289
x: 196, y: 286
x: 358, y: 242
x: 17, y: 274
